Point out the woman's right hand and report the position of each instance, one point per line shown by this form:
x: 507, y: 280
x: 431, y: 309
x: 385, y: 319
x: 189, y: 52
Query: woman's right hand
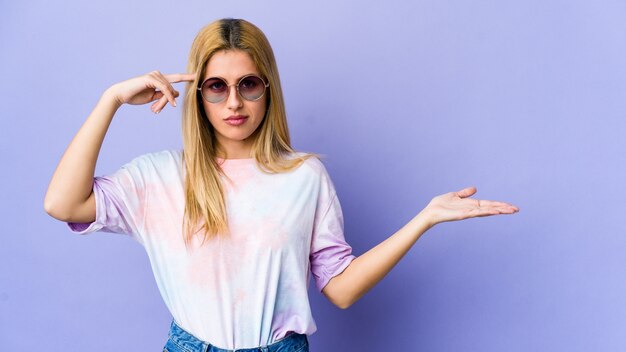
x: 153, y: 86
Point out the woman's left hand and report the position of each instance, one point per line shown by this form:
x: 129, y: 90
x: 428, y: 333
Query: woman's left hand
x: 457, y: 206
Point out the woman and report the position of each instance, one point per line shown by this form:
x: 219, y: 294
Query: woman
x: 235, y: 225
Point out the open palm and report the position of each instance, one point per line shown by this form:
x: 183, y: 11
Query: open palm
x: 454, y: 206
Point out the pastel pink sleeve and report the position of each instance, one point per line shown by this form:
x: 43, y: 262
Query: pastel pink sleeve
x: 330, y: 253
x: 119, y: 203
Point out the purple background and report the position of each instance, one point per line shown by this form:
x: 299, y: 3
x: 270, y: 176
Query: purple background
x: 525, y: 100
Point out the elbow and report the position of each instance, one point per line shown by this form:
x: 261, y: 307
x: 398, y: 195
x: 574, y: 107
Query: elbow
x: 52, y: 209
x: 338, y: 294
x: 49, y: 207
x: 341, y: 302
x: 343, y: 305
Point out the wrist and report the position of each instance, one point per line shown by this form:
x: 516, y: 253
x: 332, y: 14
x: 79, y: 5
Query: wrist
x: 427, y: 217
x: 110, y: 96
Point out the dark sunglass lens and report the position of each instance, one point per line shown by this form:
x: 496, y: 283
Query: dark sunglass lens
x: 251, y: 88
x: 214, y: 90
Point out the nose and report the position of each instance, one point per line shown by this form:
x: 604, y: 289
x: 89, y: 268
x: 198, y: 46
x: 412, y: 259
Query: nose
x: 233, y: 101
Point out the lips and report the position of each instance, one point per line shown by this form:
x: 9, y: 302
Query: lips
x: 236, y: 117
x: 236, y: 120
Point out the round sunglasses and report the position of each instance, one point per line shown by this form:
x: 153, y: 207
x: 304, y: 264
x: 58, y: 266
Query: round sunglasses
x: 215, y: 89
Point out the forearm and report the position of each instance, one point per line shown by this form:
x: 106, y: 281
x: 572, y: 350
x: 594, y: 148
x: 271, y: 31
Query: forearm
x: 365, y: 271
x: 72, y: 181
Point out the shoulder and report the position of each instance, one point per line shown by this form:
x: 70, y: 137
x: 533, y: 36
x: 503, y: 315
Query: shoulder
x: 312, y: 162
x: 156, y: 160
x: 158, y: 157
x: 312, y: 165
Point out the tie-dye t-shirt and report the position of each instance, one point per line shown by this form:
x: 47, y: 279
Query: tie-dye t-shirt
x: 248, y: 288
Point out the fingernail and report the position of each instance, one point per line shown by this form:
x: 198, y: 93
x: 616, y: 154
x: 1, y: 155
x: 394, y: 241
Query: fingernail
x: 174, y: 102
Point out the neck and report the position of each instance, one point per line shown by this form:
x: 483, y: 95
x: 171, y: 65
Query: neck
x: 235, y: 149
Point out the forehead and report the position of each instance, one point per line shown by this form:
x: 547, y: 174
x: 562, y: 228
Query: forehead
x: 230, y: 64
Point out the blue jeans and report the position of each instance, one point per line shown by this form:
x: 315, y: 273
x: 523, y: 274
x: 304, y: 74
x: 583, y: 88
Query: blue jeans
x: 181, y: 341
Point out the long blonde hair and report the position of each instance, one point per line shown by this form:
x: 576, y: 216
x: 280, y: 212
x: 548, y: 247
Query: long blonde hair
x: 205, y: 209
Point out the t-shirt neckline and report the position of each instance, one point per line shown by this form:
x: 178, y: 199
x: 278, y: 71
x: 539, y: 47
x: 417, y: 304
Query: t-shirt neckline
x: 234, y: 161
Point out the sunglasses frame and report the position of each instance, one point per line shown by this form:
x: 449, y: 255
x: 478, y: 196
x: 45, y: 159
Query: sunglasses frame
x: 265, y: 86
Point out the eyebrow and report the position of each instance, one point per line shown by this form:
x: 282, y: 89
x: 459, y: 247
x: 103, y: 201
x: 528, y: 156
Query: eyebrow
x: 237, y: 80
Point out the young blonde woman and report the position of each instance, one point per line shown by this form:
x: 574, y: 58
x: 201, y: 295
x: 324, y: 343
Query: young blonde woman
x: 236, y: 222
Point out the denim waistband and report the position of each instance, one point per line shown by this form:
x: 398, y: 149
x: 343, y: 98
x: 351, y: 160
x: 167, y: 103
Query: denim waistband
x: 189, y: 343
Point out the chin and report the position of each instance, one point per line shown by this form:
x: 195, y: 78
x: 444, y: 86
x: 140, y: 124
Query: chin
x: 242, y: 136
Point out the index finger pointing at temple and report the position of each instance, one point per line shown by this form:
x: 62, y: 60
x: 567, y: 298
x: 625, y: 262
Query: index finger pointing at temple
x: 180, y: 77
